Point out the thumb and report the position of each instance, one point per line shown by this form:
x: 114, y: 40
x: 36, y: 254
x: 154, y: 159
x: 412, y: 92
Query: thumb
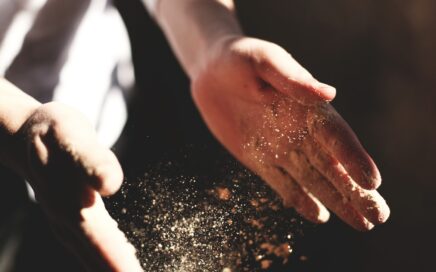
x: 286, y: 75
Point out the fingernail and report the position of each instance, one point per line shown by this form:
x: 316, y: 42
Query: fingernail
x: 326, y: 91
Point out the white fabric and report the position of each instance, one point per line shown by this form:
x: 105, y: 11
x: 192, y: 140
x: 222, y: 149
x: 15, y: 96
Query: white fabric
x: 90, y: 42
x: 100, y: 50
x: 97, y: 64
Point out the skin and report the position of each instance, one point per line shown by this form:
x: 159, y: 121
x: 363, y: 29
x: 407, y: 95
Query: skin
x: 260, y: 103
x: 301, y: 147
x: 56, y: 150
x: 273, y: 115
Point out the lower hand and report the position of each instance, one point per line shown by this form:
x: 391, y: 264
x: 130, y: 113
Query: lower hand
x: 69, y: 171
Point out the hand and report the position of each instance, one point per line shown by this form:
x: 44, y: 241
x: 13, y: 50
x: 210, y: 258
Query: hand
x: 272, y: 115
x: 68, y: 171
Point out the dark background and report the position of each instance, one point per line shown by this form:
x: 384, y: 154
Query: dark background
x: 381, y: 57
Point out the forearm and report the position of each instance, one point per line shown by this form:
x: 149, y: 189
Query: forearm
x: 15, y: 108
x: 193, y: 26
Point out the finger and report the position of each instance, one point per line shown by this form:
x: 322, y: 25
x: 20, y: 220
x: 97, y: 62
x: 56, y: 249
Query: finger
x: 96, y: 240
x: 309, y: 178
x: 368, y: 202
x: 106, y: 175
x: 335, y: 136
x: 102, y: 231
x: 294, y: 196
x: 81, y: 156
x: 78, y: 246
x: 284, y: 74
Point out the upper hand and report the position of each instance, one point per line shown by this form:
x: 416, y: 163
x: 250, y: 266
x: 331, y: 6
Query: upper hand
x: 272, y: 115
x: 69, y: 171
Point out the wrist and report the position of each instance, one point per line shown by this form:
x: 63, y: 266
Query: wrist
x: 217, y: 51
x: 194, y: 27
x: 151, y: 6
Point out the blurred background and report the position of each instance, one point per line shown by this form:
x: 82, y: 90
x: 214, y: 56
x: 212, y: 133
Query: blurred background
x: 381, y: 57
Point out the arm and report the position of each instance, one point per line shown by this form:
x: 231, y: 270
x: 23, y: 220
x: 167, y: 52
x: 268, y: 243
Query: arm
x: 272, y: 115
x: 194, y: 26
x: 199, y: 30
x: 56, y: 150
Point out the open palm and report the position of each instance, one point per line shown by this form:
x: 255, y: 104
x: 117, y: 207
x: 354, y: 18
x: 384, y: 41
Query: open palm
x: 272, y: 115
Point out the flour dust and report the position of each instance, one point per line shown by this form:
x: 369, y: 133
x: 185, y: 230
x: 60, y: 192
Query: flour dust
x: 188, y: 224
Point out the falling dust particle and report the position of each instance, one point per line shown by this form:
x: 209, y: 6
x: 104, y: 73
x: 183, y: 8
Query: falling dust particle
x: 179, y: 225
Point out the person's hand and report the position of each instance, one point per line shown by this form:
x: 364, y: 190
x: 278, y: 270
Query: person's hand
x: 69, y: 171
x: 273, y: 116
